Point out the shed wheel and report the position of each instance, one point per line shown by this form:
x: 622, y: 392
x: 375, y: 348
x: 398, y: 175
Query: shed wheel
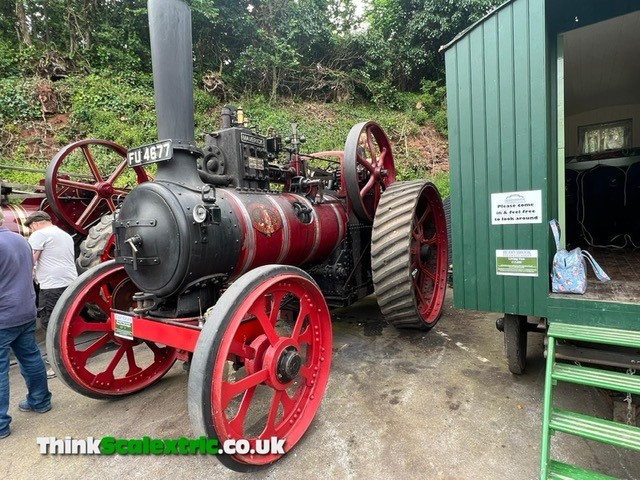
x: 82, y: 347
x: 261, y: 363
x: 515, y: 342
x: 409, y: 254
x: 94, y: 247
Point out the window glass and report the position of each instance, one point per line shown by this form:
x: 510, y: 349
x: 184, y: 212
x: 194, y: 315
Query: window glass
x: 605, y: 136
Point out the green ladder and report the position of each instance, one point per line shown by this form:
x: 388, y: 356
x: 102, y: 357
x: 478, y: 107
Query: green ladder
x: 592, y: 428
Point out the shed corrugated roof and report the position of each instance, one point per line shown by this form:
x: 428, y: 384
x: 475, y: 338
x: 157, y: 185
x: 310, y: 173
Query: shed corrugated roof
x: 468, y: 29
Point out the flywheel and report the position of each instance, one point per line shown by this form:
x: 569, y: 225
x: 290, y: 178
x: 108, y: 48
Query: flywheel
x: 409, y: 254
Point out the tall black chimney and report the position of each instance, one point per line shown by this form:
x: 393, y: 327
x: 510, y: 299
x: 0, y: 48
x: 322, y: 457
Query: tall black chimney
x: 172, y: 61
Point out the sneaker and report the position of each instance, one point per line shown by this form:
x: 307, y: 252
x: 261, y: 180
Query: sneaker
x: 51, y: 373
x: 24, y: 406
x: 5, y: 434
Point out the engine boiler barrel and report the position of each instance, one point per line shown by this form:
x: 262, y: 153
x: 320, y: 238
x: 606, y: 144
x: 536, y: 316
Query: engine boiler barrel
x: 15, y: 216
x: 285, y: 228
x: 165, y: 248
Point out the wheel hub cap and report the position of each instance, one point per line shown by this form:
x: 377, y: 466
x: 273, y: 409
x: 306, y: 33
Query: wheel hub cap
x: 289, y: 365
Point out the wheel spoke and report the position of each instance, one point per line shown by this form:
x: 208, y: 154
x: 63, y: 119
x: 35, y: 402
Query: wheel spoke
x: 431, y: 275
x: 83, y: 355
x: 112, y: 206
x: 92, y: 164
x: 423, y: 217
x: 117, y: 172
x: 77, y: 185
x: 242, y: 350
x: 382, y: 159
x: 370, y: 183
x: 231, y: 389
x: 376, y: 194
x: 259, y: 310
x: 307, y: 374
x: 79, y: 327
x: 302, y: 316
x: 108, y: 372
x: 82, y: 219
x: 276, y: 306
x: 131, y: 360
x: 270, y: 427
x: 366, y: 164
x: 237, y: 422
x: 420, y: 296
x: 306, y: 336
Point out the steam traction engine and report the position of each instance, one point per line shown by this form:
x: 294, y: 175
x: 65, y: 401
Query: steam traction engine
x: 232, y: 257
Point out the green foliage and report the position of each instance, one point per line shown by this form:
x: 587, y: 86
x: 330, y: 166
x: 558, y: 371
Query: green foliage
x: 114, y: 107
x: 18, y: 99
x: 411, y: 32
x: 433, y: 100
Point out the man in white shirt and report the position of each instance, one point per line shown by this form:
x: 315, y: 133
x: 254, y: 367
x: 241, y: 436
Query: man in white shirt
x: 54, y: 260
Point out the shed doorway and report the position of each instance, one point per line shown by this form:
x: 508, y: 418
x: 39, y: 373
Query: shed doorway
x: 599, y: 90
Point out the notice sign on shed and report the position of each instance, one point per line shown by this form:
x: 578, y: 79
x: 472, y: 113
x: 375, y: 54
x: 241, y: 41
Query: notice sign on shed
x: 517, y: 263
x: 516, y: 207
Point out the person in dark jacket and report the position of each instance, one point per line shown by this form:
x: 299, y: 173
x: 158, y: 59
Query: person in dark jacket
x: 17, y: 327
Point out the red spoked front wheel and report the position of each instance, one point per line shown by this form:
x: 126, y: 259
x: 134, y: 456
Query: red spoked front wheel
x: 95, y: 175
x: 368, y: 168
x: 261, y: 363
x: 82, y: 347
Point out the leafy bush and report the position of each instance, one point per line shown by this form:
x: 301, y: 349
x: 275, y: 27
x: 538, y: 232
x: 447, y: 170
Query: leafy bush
x: 18, y: 99
x: 114, y: 107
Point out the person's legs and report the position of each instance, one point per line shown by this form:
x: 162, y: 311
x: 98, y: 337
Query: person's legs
x: 6, y: 337
x: 47, y: 299
x: 32, y: 367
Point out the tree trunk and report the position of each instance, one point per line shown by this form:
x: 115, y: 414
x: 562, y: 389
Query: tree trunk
x: 23, y: 27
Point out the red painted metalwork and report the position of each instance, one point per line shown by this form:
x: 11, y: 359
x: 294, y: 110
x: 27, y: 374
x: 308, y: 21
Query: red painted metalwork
x: 368, y: 168
x: 90, y: 354
x: 80, y: 202
x: 107, y: 253
x: 16, y: 215
x: 286, y: 366
x: 272, y: 232
x: 179, y: 333
x: 429, y: 233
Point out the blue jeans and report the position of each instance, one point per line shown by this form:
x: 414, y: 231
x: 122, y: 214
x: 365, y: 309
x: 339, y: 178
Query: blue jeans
x: 22, y: 340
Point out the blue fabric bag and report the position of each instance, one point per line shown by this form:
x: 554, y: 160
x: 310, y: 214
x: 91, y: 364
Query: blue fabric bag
x: 569, y: 270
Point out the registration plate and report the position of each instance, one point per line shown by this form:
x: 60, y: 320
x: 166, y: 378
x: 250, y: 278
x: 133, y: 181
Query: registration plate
x: 123, y: 326
x: 155, y: 152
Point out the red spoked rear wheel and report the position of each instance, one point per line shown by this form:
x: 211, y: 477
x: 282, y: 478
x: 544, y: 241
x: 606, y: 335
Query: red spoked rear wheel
x: 262, y: 363
x: 94, y: 176
x: 368, y: 168
x: 82, y: 347
x: 409, y: 254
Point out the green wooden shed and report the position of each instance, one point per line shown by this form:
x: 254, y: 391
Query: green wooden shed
x: 543, y: 102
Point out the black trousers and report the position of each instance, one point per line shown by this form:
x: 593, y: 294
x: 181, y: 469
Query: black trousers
x: 47, y: 299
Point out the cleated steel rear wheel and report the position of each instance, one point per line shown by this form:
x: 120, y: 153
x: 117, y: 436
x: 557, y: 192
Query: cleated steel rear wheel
x: 409, y: 254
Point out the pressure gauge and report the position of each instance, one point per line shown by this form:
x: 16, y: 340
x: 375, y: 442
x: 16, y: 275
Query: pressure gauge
x: 199, y: 213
